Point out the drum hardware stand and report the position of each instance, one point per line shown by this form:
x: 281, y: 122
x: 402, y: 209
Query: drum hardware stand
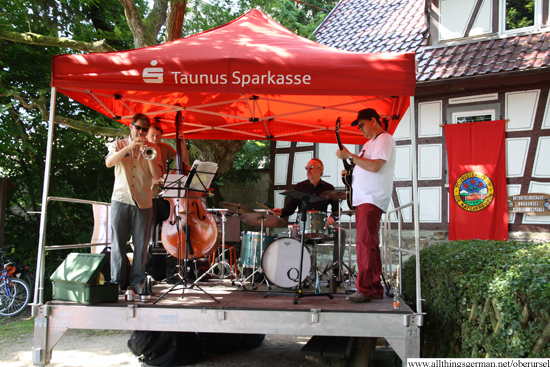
x: 185, y: 281
x: 258, y: 268
x: 351, y: 271
x: 305, y: 198
x: 224, y: 263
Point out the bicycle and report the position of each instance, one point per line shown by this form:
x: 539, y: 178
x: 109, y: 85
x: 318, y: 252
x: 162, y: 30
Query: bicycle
x: 14, y: 292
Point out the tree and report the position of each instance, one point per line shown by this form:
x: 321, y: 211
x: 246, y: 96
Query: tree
x: 31, y: 33
x: 520, y: 13
x: 90, y: 20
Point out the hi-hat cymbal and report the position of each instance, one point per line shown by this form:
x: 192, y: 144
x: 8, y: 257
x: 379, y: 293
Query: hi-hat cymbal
x: 334, y: 194
x: 236, y: 208
x: 256, y: 219
x: 348, y: 212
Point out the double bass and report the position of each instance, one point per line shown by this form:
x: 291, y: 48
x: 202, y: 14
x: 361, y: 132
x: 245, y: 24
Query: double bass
x: 190, y: 209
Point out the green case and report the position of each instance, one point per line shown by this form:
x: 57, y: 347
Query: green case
x: 73, y: 280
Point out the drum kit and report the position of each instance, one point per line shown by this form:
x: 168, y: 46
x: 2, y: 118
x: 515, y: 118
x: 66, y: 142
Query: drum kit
x: 254, y: 244
x: 278, y: 258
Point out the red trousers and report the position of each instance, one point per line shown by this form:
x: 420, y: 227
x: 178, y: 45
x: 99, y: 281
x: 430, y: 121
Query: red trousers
x: 369, y: 263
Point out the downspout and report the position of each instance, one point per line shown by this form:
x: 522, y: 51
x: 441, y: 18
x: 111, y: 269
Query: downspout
x: 415, y: 213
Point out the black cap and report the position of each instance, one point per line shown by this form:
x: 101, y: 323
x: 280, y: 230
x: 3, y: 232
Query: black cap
x: 366, y: 114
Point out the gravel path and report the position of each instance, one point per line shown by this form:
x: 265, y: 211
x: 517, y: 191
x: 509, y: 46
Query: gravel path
x: 87, y: 348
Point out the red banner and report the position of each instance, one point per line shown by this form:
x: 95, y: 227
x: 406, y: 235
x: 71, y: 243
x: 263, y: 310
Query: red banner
x: 477, y: 181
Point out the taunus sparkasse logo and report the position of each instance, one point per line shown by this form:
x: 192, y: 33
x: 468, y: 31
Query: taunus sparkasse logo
x: 153, y: 75
x: 473, y: 191
x: 156, y: 74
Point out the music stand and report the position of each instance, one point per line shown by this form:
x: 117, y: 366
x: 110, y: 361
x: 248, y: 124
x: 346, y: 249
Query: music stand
x: 304, y: 200
x: 199, y: 179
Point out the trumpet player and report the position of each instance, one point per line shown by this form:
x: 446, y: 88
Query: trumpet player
x: 131, y: 203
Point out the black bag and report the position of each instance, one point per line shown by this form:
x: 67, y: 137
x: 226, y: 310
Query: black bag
x: 166, y: 349
x: 220, y: 343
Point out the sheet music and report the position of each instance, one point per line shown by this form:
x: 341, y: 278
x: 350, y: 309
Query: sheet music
x: 172, y: 184
x: 204, y: 174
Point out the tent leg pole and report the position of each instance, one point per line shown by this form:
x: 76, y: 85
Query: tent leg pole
x: 39, y: 281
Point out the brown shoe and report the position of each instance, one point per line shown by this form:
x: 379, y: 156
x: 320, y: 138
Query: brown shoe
x: 358, y: 297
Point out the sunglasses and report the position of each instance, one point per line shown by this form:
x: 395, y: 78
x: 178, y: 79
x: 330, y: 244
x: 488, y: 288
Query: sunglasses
x: 310, y: 167
x: 360, y: 126
x: 139, y: 128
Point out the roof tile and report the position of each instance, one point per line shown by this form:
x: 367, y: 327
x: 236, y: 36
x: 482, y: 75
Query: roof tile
x: 399, y: 26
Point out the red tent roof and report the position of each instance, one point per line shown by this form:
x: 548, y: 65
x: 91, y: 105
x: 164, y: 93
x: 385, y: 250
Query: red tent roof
x: 249, y: 79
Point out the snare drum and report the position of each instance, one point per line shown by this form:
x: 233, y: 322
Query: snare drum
x: 247, y: 249
x: 281, y: 262
x: 316, y: 224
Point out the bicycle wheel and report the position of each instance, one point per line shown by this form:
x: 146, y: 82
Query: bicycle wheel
x: 14, y: 296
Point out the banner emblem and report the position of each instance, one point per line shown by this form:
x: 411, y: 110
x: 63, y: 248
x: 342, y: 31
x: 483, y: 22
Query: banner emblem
x: 473, y: 191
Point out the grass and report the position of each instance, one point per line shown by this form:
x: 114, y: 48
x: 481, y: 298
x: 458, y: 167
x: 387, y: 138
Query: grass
x: 21, y: 325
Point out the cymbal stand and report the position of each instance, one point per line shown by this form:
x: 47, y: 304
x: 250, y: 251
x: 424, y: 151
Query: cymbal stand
x: 224, y: 264
x: 258, y: 268
x: 185, y: 281
x: 299, y: 291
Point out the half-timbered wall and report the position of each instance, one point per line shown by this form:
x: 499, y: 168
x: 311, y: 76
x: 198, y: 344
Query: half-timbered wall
x: 527, y: 154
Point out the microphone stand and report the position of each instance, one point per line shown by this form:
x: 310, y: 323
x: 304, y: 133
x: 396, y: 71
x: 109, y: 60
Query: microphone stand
x: 185, y: 281
x: 304, y: 200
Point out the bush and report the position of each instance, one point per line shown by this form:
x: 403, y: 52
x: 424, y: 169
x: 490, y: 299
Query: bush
x: 483, y: 299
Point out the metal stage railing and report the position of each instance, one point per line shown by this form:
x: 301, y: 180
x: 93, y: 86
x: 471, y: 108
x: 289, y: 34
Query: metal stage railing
x: 40, y: 263
x: 388, y: 249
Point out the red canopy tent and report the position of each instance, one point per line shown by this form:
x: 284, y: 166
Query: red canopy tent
x: 248, y: 79
x: 251, y: 79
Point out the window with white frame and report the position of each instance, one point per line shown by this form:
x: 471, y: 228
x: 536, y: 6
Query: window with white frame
x: 468, y: 18
x: 472, y: 116
x: 523, y: 15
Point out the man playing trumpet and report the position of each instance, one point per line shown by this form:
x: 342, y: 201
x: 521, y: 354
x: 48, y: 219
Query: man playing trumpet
x: 131, y: 204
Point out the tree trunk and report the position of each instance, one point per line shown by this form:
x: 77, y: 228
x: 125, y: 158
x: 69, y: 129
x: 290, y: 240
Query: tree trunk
x: 176, y: 14
x: 220, y: 151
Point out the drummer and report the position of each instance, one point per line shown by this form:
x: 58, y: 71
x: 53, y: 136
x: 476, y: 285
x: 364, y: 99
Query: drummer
x: 315, y: 186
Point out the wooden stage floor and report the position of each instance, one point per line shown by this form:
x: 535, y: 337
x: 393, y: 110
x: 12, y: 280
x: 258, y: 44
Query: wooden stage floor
x: 234, y: 298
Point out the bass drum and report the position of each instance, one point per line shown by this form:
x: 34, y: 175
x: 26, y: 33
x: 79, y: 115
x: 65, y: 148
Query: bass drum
x: 281, y: 262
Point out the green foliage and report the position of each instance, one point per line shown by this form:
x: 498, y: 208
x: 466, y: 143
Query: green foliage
x: 299, y: 18
x: 475, y: 295
x: 253, y: 156
x: 520, y: 13
x: 78, y: 169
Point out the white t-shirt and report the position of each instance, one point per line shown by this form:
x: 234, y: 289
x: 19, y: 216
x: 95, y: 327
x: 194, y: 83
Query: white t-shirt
x: 370, y: 187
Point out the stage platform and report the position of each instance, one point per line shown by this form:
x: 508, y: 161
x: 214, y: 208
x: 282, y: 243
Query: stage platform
x: 237, y: 311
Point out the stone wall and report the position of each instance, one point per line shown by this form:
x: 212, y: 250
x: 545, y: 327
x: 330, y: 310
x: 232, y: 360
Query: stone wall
x: 249, y: 193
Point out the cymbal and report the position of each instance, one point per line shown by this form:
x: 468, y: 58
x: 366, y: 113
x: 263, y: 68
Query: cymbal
x: 334, y: 194
x: 302, y: 195
x: 256, y: 219
x: 348, y: 212
x: 236, y: 208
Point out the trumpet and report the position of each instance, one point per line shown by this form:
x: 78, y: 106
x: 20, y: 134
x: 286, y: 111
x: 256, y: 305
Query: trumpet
x: 149, y: 153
